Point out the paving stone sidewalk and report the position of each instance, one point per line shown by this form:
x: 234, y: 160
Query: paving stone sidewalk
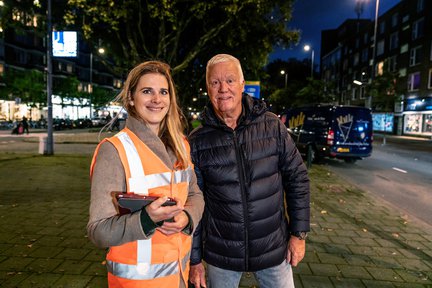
x: 356, y: 240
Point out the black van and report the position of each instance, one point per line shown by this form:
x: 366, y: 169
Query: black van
x: 343, y: 132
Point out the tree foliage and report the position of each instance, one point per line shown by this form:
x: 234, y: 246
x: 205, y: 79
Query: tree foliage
x: 384, y: 92
x: 29, y: 85
x: 185, y: 34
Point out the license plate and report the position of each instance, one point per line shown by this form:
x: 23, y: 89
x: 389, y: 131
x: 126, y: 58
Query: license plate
x: 343, y: 150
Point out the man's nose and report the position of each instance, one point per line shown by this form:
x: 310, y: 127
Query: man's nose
x: 223, y: 86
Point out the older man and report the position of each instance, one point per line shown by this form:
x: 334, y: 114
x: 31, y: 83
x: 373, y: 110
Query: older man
x: 251, y: 174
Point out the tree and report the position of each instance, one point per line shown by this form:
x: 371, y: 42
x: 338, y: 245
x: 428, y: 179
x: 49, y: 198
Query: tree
x: 384, y: 91
x: 185, y: 34
x: 316, y: 92
x: 29, y: 85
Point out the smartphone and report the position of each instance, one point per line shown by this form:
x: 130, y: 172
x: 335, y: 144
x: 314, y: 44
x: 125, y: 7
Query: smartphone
x: 131, y: 202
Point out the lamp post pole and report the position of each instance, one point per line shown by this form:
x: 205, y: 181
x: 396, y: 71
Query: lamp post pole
x: 90, y: 88
x: 50, y: 141
x: 307, y: 48
x: 283, y: 72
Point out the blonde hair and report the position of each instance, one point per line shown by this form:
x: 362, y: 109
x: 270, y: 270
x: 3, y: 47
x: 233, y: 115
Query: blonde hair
x: 172, y: 126
x: 220, y: 58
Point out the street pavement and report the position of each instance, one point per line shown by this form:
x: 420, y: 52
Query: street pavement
x: 356, y: 239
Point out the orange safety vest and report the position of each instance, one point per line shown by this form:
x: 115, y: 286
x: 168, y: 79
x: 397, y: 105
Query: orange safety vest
x: 161, y: 260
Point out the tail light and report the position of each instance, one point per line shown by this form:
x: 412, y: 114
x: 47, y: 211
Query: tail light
x: 330, y: 137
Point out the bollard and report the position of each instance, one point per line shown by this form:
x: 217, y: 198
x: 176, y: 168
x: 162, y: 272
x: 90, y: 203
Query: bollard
x: 43, y: 143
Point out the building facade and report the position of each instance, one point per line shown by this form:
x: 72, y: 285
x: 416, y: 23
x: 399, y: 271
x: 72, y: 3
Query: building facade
x: 76, y: 80
x: 390, y: 73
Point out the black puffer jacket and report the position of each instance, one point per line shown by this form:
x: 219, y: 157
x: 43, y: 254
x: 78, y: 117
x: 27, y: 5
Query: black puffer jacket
x: 243, y: 174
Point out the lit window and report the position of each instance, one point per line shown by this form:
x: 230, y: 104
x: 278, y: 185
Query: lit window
x: 380, y: 68
x: 404, y: 48
x: 414, y: 81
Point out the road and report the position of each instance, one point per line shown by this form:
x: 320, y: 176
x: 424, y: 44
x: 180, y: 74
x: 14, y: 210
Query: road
x: 399, y: 172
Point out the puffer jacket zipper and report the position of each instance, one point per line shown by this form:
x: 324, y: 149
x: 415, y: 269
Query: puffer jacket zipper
x: 241, y: 171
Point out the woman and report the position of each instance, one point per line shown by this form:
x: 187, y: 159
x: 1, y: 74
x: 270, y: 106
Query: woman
x: 150, y: 156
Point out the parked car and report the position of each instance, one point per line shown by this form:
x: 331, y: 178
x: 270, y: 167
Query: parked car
x: 99, y: 121
x: 61, y: 124
x: 343, y: 132
x: 83, y: 123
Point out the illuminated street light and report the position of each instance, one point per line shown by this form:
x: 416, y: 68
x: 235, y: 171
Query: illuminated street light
x: 307, y: 48
x: 286, y: 76
x: 357, y: 82
x: 90, y: 88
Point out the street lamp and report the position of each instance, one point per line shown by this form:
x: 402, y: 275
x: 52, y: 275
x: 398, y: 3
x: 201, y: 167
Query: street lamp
x: 286, y: 77
x: 307, y: 48
x: 90, y: 87
x: 369, y: 102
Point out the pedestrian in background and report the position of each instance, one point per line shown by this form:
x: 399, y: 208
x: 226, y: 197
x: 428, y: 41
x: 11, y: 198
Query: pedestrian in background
x: 25, y: 125
x: 149, y: 247
x: 247, y: 166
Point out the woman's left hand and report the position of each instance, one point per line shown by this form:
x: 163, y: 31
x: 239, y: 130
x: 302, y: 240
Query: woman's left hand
x: 177, y: 225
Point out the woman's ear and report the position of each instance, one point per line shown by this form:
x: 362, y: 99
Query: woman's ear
x: 130, y: 99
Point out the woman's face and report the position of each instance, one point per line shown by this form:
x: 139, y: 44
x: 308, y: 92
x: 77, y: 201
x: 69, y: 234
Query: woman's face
x: 151, y: 99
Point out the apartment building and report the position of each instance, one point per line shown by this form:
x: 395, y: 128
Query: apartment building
x: 354, y: 62
x: 24, y: 51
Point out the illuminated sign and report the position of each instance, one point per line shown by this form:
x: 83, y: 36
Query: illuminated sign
x: 252, y: 88
x: 64, y: 44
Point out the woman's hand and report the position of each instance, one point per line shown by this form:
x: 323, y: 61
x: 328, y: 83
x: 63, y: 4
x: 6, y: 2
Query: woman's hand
x: 158, y: 213
x: 175, y: 225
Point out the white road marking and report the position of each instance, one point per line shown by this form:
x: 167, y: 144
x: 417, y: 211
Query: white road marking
x: 400, y: 170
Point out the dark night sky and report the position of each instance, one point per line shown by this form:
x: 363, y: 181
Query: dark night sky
x: 312, y: 16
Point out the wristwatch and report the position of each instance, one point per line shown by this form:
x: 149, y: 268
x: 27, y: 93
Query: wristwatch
x: 300, y: 234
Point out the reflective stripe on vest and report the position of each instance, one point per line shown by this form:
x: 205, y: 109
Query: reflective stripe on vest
x: 139, y: 182
x: 145, y: 271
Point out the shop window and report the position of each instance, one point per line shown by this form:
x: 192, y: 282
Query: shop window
x: 412, y: 123
x: 414, y: 81
x: 427, y: 124
x: 415, y: 55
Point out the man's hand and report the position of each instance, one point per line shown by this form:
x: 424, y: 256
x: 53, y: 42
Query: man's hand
x: 296, y: 250
x: 197, y: 275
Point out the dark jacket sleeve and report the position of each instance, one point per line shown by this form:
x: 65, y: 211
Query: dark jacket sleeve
x: 196, y: 253
x: 295, y: 182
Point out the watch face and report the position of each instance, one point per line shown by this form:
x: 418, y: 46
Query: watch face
x: 300, y: 235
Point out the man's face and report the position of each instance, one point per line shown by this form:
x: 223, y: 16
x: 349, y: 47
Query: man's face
x: 225, y: 89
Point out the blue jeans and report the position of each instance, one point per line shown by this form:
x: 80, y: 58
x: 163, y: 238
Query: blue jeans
x: 280, y: 276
